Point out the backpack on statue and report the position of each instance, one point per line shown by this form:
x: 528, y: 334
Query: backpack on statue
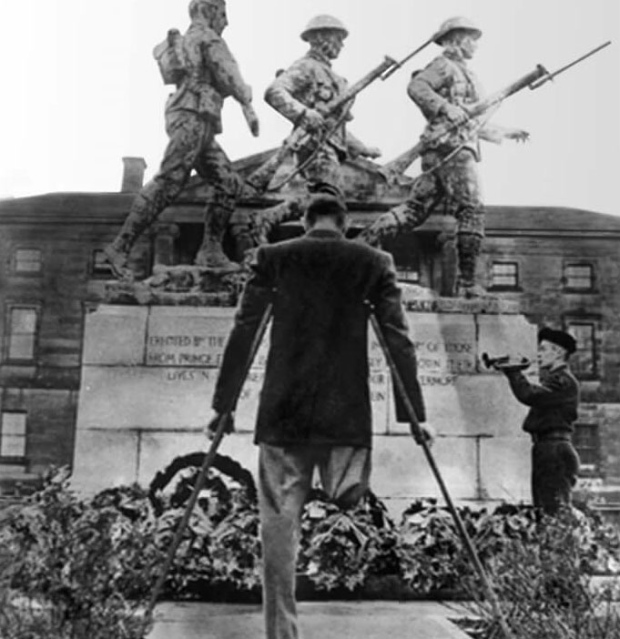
x: 171, y: 58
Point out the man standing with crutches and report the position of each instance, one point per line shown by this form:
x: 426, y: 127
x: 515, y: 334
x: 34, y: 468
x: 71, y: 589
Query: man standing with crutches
x: 315, y: 403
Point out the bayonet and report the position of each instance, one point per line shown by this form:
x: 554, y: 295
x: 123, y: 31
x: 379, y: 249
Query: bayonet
x: 398, y: 65
x: 549, y: 77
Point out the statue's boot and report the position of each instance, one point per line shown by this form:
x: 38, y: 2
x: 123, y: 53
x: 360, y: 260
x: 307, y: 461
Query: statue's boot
x: 468, y: 250
x: 117, y: 259
x: 117, y: 252
x: 388, y: 225
x: 211, y: 252
x: 472, y: 291
x: 211, y: 255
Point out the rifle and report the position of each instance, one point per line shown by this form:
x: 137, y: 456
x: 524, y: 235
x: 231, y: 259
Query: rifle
x: 261, y: 177
x: 534, y: 80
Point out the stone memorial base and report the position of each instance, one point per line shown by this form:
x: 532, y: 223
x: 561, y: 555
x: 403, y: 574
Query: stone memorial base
x: 183, y: 285
x: 148, y: 375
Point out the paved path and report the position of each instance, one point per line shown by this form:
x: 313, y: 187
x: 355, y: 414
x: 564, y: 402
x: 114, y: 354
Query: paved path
x: 324, y: 620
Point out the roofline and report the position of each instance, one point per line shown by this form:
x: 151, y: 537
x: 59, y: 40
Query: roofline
x: 74, y: 207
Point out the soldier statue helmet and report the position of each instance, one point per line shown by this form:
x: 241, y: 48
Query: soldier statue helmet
x: 323, y: 23
x: 456, y: 24
x: 213, y: 11
x: 196, y: 5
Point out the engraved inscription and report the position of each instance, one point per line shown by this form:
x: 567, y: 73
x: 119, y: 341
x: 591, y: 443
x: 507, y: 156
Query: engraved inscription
x: 185, y: 350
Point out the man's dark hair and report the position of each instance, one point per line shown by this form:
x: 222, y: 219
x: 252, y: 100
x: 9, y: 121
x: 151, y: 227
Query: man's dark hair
x: 327, y: 201
x: 324, y: 205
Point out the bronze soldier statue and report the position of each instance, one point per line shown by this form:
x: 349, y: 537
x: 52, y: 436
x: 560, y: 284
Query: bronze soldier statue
x: 209, y: 75
x: 302, y: 94
x: 444, y: 91
x: 317, y: 101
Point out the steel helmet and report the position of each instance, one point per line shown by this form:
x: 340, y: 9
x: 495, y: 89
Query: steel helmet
x: 194, y: 4
x: 322, y: 22
x: 452, y: 24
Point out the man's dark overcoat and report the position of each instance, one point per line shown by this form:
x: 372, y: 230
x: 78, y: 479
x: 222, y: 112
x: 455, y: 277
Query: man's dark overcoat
x: 316, y: 386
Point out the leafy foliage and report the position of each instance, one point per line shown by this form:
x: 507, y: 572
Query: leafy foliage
x: 433, y: 557
x: 544, y: 584
x: 221, y: 545
x: 76, y: 568
x: 341, y: 548
x: 430, y: 551
x: 215, y: 550
x: 84, y: 568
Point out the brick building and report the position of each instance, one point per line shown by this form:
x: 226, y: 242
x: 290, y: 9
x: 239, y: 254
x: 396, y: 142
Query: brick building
x: 563, y: 266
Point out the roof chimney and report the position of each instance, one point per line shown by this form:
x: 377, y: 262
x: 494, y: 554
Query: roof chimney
x: 133, y: 174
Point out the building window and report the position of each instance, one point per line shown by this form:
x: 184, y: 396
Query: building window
x: 583, y: 362
x: 100, y: 267
x: 587, y: 443
x: 505, y: 275
x: 22, y: 333
x: 408, y: 274
x: 27, y: 261
x: 13, y: 435
x: 579, y: 277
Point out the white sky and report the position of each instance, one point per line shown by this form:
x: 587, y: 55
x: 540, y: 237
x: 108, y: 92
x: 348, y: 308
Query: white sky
x: 81, y: 88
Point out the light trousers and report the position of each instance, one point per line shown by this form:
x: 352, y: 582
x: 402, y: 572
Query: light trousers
x: 285, y: 479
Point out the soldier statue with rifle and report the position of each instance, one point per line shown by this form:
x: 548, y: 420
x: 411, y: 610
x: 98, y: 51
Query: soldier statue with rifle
x: 303, y: 94
x: 318, y: 103
x: 445, y: 91
x: 204, y: 71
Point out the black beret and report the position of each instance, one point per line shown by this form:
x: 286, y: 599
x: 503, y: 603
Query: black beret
x: 561, y: 338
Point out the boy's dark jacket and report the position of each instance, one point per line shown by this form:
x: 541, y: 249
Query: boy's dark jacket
x: 553, y: 403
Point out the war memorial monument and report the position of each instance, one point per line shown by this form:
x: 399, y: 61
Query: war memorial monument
x: 152, y: 352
